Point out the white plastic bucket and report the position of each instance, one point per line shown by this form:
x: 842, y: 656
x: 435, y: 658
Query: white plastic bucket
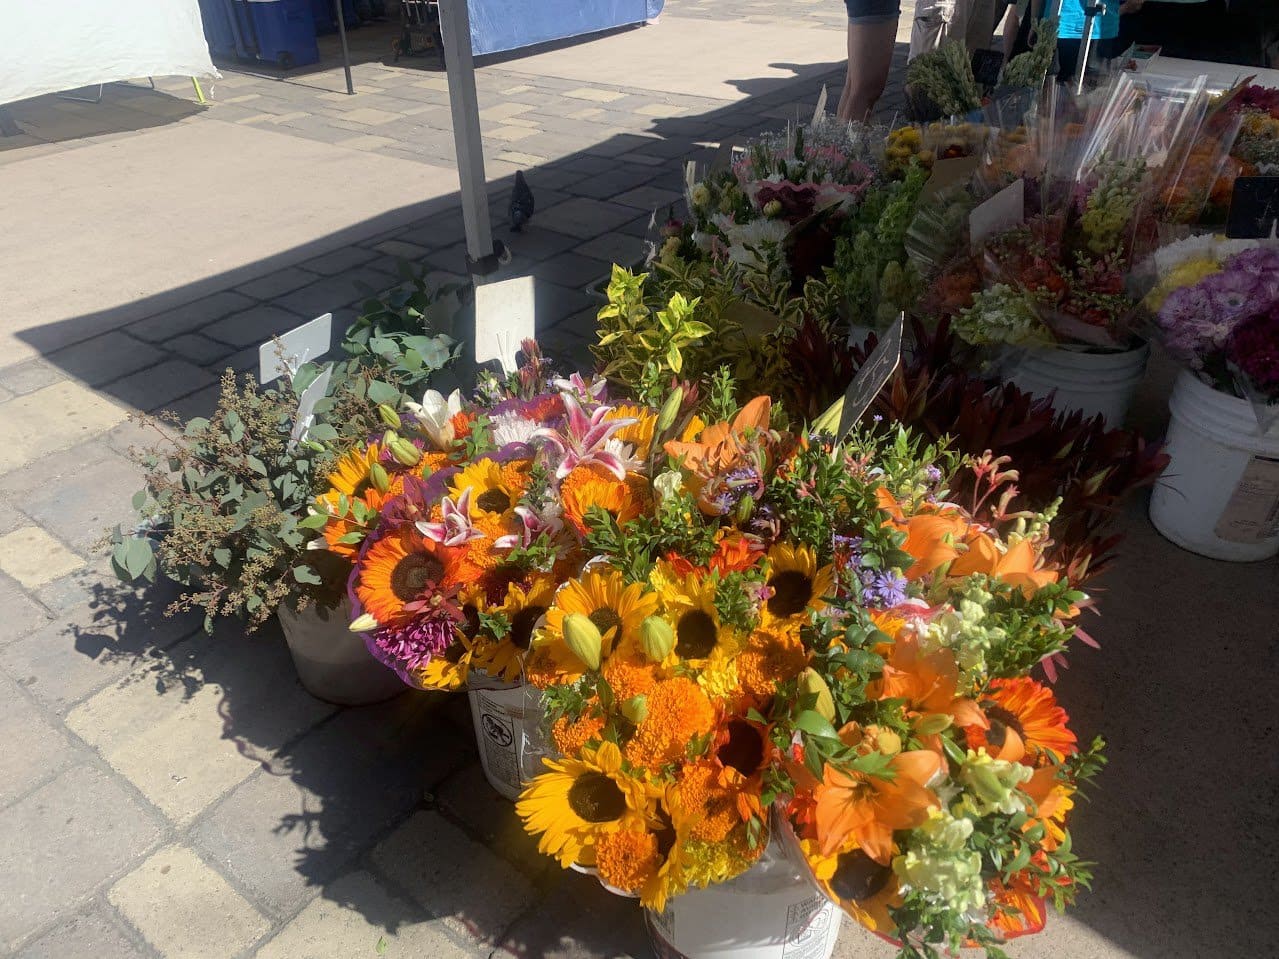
x: 332, y: 662
x: 508, y: 735
x: 1219, y: 496
x: 771, y: 911
x: 1092, y: 382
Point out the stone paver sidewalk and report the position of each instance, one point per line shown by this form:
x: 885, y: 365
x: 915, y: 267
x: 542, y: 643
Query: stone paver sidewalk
x: 164, y: 793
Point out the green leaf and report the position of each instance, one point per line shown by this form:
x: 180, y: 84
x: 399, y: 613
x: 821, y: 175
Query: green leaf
x: 305, y: 574
x: 815, y: 724
x: 380, y: 948
x: 138, y: 555
x: 222, y: 556
x: 322, y: 433
x: 380, y: 392
x: 139, y: 499
x: 313, y: 521
x: 255, y: 464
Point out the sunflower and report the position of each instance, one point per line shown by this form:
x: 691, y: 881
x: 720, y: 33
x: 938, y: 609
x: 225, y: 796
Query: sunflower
x: 688, y: 603
x: 449, y: 671
x: 351, y: 475
x: 603, y: 596
x: 769, y: 657
x: 591, y: 485
x: 524, y: 605
x: 639, y: 435
x: 496, y: 489
x: 1026, y: 724
x: 678, y: 713
x: 864, y: 888
x: 397, y: 569
x: 578, y: 800
x: 650, y: 862
x: 796, y: 582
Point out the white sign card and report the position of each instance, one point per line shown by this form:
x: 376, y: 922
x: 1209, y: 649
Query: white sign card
x: 283, y: 354
x: 314, y: 392
x: 505, y: 316
x: 1251, y: 514
x: 1003, y: 211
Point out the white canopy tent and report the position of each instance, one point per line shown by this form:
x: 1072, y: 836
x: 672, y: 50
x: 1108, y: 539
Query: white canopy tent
x: 76, y: 43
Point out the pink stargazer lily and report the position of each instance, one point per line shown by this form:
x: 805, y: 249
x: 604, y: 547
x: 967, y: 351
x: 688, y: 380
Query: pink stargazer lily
x: 583, y: 438
x: 455, y: 527
x: 580, y: 389
x: 532, y: 526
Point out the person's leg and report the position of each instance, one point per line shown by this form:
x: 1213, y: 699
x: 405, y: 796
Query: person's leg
x: 870, y: 56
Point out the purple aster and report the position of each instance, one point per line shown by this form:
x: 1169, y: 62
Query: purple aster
x: 883, y: 589
x: 1259, y: 261
x: 1232, y: 293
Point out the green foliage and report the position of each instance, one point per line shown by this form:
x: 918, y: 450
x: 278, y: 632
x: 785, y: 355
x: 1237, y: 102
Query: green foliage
x: 945, y: 76
x: 407, y: 332
x: 1030, y: 68
x: 224, y: 511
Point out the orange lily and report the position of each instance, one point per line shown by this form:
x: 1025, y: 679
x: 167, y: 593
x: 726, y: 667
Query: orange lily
x: 1017, y: 566
x: 718, y: 446
x: 868, y: 809
x: 929, y: 683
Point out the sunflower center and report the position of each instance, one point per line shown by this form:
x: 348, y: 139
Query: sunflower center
x: 744, y: 748
x: 412, y: 574
x: 493, y: 501
x: 858, y: 877
x: 604, y: 619
x: 665, y: 836
x: 522, y: 624
x: 695, y: 635
x: 470, y: 621
x: 792, y: 591
x: 596, y: 798
x: 1001, y: 720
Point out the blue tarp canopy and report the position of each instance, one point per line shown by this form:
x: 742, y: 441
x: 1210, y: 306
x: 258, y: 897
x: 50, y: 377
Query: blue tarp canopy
x: 501, y: 25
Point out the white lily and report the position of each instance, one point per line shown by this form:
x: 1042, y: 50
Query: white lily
x: 435, y: 416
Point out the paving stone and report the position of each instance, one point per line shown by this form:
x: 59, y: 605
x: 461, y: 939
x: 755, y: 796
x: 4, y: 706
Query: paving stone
x: 34, y: 749
x: 21, y: 614
x: 184, y: 909
x: 572, y: 269
x: 596, y: 96
x: 198, y: 349
x: 95, y: 934
x: 68, y: 593
x: 520, y: 159
x: 192, y: 316
x: 28, y: 377
x: 369, y: 116
x: 52, y: 418
x: 603, y: 926
x: 332, y: 293
x: 62, y: 841
x: 510, y: 134
x: 536, y: 243
x: 63, y: 661
x: 276, y: 284
x: 81, y: 508
x: 304, y: 819
x: 453, y: 877
x: 607, y: 185
x: 185, y: 738
x: 155, y: 388
x: 355, y: 916
x: 621, y: 248
x: 33, y: 557
x: 467, y: 797
x: 583, y: 217
x: 403, y: 250
x: 253, y: 327
x: 338, y: 261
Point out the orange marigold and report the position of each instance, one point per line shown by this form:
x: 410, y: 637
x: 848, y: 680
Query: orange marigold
x: 629, y: 676
x: 770, y: 657
x: 593, y: 485
x: 571, y: 735
x: 678, y: 712
x: 712, y: 807
x: 627, y: 859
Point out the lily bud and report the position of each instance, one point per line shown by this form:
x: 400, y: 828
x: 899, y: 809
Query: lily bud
x: 388, y: 416
x: 405, y: 452
x: 812, y: 684
x: 932, y: 724
x: 584, y: 639
x: 377, y: 476
x: 635, y: 709
x: 670, y: 410
x: 657, y: 639
x: 364, y: 624
x: 389, y: 437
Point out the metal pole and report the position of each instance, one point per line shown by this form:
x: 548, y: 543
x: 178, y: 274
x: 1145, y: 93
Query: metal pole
x: 1091, y: 12
x: 346, y: 54
x: 455, y: 23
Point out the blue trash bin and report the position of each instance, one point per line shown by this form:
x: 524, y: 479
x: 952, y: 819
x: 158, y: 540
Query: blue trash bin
x: 285, y: 32
x: 218, y: 29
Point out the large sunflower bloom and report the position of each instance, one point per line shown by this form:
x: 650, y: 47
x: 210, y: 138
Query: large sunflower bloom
x: 1025, y: 723
x: 578, y: 800
x: 350, y: 475
x: 591, y: 484
x: 523, y: 607
x: 651, y: 862
x: 396, y: 571
x: 797, y: 583
x: 496, y: 489
x: 602, y: 596
x: 688, y: 603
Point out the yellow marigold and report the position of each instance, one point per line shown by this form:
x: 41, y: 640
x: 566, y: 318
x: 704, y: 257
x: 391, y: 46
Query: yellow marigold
x: 678, y: 712
x: 629, y: 676
x: 627, y: 859
x: 708, y: 863
x: 770, y: 656
x: 571, y: 735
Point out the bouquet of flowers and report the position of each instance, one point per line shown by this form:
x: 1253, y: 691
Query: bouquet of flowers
x: 720, y: 642
x: 1216, y: 309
